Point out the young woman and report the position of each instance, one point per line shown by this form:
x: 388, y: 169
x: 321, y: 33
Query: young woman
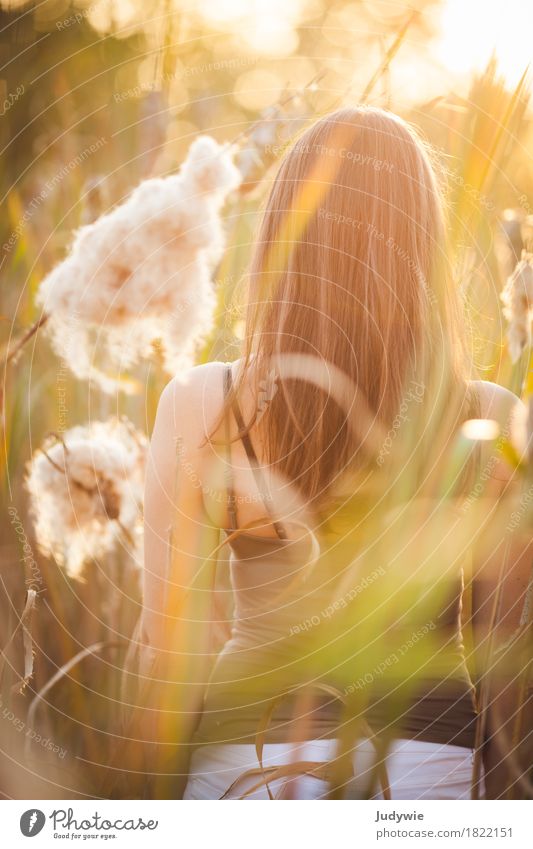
x: 353, y: 348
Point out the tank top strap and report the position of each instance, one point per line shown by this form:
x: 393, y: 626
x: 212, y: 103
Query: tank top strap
x: 250, y: 453
x: 230, y: 490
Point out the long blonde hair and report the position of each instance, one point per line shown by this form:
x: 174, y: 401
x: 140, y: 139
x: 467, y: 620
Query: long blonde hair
x: 351, y: 267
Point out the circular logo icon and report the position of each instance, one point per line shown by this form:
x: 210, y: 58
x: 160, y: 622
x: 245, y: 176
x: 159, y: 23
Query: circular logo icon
x: 32, y: 822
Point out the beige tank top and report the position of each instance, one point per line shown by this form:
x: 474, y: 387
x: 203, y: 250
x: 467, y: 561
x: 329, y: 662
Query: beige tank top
x: 278, y: 670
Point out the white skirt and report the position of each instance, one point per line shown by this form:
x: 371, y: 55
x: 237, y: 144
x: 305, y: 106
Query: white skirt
x: 415, y: 770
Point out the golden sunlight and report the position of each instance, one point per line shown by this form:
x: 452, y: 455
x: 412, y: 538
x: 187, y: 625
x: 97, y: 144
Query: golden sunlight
x: 266, y: 417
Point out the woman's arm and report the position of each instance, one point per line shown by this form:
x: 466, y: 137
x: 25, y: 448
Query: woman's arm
x: 178, y: 571
x: 502, y: 571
